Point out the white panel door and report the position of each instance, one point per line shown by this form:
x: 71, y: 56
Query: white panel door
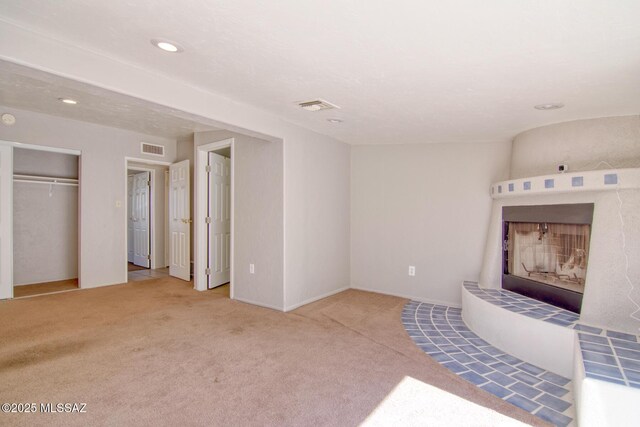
x: 219, y: 220
x: 141, y: 221
x: 179, y: 221
x: 130, y: 218
x: 6, y: 219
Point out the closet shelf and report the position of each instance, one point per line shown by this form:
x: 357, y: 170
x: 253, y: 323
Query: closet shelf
x: 51, y: 180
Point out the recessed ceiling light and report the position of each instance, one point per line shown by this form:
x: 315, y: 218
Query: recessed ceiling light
x: 167, y: 46
x: 68, y: 101
x: 550, y: 106
x: 334, y: 120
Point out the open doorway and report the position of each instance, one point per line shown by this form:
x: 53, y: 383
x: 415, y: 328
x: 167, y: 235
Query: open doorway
x: 45, y: 222
x: 214, y: 174
x: 147, y: 221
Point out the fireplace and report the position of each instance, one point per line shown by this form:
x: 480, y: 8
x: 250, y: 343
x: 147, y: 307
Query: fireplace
x: 546, y: 252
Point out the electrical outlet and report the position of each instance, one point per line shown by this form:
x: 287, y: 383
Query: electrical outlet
x: 252, y: 269
x: 412, y: 270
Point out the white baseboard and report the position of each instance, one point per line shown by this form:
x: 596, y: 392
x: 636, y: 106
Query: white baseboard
x: 259, y: 304
x: 411, y: 297
x: 314, y: 299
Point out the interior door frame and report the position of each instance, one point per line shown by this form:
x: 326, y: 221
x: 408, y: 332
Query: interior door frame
x: 200, y: 207
x: 49, y: 149
x: 152, y: 200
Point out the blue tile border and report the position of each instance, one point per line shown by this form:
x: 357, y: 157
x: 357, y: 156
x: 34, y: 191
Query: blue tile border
x: 606, y: 354
x: 461, y: 351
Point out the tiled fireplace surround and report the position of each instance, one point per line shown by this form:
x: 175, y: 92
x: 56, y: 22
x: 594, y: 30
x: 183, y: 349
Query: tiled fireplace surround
x: 583, y: 348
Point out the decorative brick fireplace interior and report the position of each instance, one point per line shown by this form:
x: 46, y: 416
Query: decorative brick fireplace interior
x: 546, y: 252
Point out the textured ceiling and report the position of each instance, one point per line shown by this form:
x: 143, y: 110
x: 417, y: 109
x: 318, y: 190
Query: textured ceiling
x: 406, y: 71
x: 28, y: 89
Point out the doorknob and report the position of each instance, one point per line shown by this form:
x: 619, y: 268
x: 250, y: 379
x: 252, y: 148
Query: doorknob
x: 186, y: 221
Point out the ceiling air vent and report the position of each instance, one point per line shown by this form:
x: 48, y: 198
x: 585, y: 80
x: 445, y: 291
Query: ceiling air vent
x: 153, y: 149
x: 317, y: 105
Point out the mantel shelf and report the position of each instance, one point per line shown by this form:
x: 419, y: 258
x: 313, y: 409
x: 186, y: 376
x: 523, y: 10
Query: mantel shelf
x: 599, y: 180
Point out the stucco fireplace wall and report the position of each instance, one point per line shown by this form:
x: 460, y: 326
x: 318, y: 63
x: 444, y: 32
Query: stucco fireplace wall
x: 582, y: 144
x: 612, y: 291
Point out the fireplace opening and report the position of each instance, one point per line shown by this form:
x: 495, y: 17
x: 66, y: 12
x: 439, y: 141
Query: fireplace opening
x: 546, y: 252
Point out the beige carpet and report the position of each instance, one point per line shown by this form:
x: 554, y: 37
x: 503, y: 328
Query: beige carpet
x: 158, y: 352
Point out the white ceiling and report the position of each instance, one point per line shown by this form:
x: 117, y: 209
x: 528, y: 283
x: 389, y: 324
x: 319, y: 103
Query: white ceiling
x: 407, y: 71
x: 28, y: 89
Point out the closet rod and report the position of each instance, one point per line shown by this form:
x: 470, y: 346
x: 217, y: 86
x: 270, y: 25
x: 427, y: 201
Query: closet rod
x: 41, y: 178
x: 54, y: 182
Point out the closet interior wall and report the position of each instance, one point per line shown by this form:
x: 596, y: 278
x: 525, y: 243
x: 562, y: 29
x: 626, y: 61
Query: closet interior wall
x: 45, y: 220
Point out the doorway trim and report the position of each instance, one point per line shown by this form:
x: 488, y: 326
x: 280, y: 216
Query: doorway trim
x: 200, y: 207
x: 152, y: 200
x: 9, y: 199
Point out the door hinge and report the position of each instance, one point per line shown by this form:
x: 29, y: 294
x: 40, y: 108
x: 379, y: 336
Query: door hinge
x: 149, y: 257
x: 208, y: 168
x: 148, y: 183
x: 207, y: 220
x: 207, y: 271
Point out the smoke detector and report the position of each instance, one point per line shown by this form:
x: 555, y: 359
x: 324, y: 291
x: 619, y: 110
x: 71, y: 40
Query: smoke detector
x: 317, y: 105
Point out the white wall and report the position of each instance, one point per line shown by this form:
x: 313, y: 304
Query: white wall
x: 258, y: 224
x: 306, y: 251
x: 425, y: 205
x: 103, y: 184
x: 317, y: 218
x: 161, y: 224
x: 45, y: 220
x: 582, y: 144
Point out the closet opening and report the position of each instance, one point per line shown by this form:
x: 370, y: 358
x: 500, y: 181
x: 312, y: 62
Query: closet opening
x: 147, y: 220
x: 45, y: 222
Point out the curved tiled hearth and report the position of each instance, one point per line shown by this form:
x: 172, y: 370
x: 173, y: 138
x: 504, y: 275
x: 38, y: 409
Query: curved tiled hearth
x: 602, y: 362
x: 441, y: 333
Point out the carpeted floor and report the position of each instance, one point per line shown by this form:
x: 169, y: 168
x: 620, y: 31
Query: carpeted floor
x: 158, y: 352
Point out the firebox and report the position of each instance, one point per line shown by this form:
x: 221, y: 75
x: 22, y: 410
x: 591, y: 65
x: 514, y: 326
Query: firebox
x: 546, y: 252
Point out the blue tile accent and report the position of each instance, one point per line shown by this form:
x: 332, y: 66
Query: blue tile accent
x: 525, y: 390
x: 526, y: 185
x: 607, y: 379
x: 523, y: 403
x: 602, y: 370
x: 502, y: 379
x: 599, y: 358
x: 526, y: 378
x: 596, y: 347
x: 554, y: 417
x: 622, y: 336
x: 497, y: 390
x: 593, y: 338
x: 610, y: 178
x: 632, y: 375
x: 474, y: 378
x: 625, y: 344
x: 465, y: 354
x: 635, y: 385
x: 552, y: 389
x: 577, y: 181
x: 510, y: 190
x: 549, y: 183
x: 504, y: 368
x: 480, y: 368
x: 485, y: 358
x: 555, y: 378
x: 553, y: 402
x: 629, y: 364
x: 455, y: 367
x: 462, y: 357
x: 530, y: 369
x: 589, y: 329
x: 629, y: 354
